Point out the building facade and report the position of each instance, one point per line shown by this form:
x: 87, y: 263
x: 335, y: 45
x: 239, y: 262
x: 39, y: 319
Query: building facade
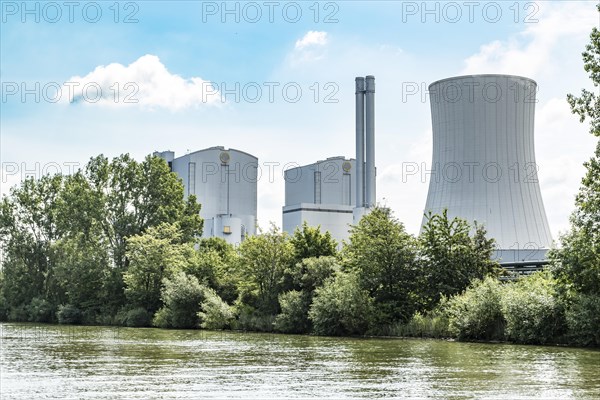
x: 224, y: 182
x: 321, y: 194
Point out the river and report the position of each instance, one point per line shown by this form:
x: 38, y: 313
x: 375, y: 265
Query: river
x: 66, y: 362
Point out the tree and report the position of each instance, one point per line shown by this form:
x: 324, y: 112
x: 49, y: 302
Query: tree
x: 78, y: 277
x: 181, y: 296
x: 451, y: 258
x: 154, y: 256
x: 310, y: 242
x: 28, y: 227
x: 219, y: 260
x: 341, y: 307
x: 263, y: 260
x: 577, y: 262
x: 383, y: 255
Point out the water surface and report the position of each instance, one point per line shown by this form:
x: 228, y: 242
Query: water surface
x: 66, y: 362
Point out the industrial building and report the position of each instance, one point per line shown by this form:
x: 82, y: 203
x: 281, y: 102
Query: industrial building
x: 320, y: 194
x: 483, y: 166
x: 224, y: 182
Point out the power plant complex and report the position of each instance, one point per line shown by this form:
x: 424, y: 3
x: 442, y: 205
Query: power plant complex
x: 483, y: 169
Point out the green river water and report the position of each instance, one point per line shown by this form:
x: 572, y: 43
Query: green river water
x: 66, y: 362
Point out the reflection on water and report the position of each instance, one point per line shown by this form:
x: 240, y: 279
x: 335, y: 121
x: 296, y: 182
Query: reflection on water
x: 63, y: 362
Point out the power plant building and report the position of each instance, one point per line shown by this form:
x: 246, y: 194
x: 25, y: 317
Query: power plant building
x: 320, y: 194
x: 484, y: 166
x: 335, y: 193
x: 224, y: 182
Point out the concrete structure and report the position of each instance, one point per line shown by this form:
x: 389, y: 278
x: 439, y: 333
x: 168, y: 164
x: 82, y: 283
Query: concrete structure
x: 320, y: 194
x: 365, y: 146
x: 224, y: 183
x: 484, y: 165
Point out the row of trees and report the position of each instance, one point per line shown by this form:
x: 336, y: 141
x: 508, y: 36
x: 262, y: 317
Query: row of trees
x: 117, y: 243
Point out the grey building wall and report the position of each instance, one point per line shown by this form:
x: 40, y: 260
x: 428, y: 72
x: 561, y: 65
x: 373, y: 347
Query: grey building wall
x: 225, y: 184
x: 320, y: 194
x: 484, y: 165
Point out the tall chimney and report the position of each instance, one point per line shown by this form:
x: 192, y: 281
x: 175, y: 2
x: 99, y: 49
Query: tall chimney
x: 370, y: 196
x: 360, y: 141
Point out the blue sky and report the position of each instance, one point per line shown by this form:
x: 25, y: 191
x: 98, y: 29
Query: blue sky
x: 176, y: 49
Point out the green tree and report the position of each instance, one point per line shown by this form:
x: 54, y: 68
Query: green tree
x: 263, y: 260
x: 181, y: 296
x: 577, y: 262
x: 214, y: 312
x: 154, y: 256
x: 311, y: 242
x: 451, y: 258
x: 28, y: 227
x: 78, y: 278
x: 341, y: 307
x: 384, y: 257
x: 218, y: 260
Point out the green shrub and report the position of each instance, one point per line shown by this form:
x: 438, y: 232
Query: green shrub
x: 137, y: 317
x: 214, y: 312
x: 341, y: 307
x: 433, y: 325
x: 583, y: 320
x: 531, y: 310
x: 477, y: 313
x: 19, y: 313
x: 68, y: 314
x: 181, y: 297
x: 40, y: 310
x: 250, y: 319
x: 162, y: 318
x: 294, y: 313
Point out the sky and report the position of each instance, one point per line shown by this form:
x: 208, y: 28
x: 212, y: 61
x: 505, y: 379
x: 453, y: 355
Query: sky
x: 276, y: 79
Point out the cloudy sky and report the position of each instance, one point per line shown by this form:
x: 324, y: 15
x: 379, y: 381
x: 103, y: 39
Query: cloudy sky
x: 276, y: 79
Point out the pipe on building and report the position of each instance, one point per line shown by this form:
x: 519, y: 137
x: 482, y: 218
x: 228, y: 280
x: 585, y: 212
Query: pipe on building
x: 370, y: 196
x: 360, y: 141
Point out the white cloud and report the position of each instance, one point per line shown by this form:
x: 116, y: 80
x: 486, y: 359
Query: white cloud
x: 533, y: 52
x: 312, y: 38
x: 311, y: 47
x: 145, y: 83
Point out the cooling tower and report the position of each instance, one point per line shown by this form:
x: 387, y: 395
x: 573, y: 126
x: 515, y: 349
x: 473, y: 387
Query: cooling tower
x: 484, y: 165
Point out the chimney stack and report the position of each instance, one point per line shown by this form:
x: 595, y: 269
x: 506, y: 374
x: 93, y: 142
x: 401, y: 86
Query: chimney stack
x: 365, y: 145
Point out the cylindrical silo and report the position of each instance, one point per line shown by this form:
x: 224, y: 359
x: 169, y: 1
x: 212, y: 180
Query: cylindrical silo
x: 484, y: 166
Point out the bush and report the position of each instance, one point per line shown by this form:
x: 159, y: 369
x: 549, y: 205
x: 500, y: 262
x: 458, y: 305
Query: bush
x: 341, y: 307
x: 137, y: 317
x: 162, y: 318
x: 40, y: 310
x: 434, y: 325
x: 583, y: 320
x: 477, y: 313
x: 18, y: 313
x: 214, y: 312
x: 531, y: 310
x: 3, y: 308
x: 181, y: 297
x: 68, y: 314
x: 250, y: 319
x: 294, y: 313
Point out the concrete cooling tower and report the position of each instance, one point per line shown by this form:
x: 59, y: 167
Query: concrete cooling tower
x: 484, y: 165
